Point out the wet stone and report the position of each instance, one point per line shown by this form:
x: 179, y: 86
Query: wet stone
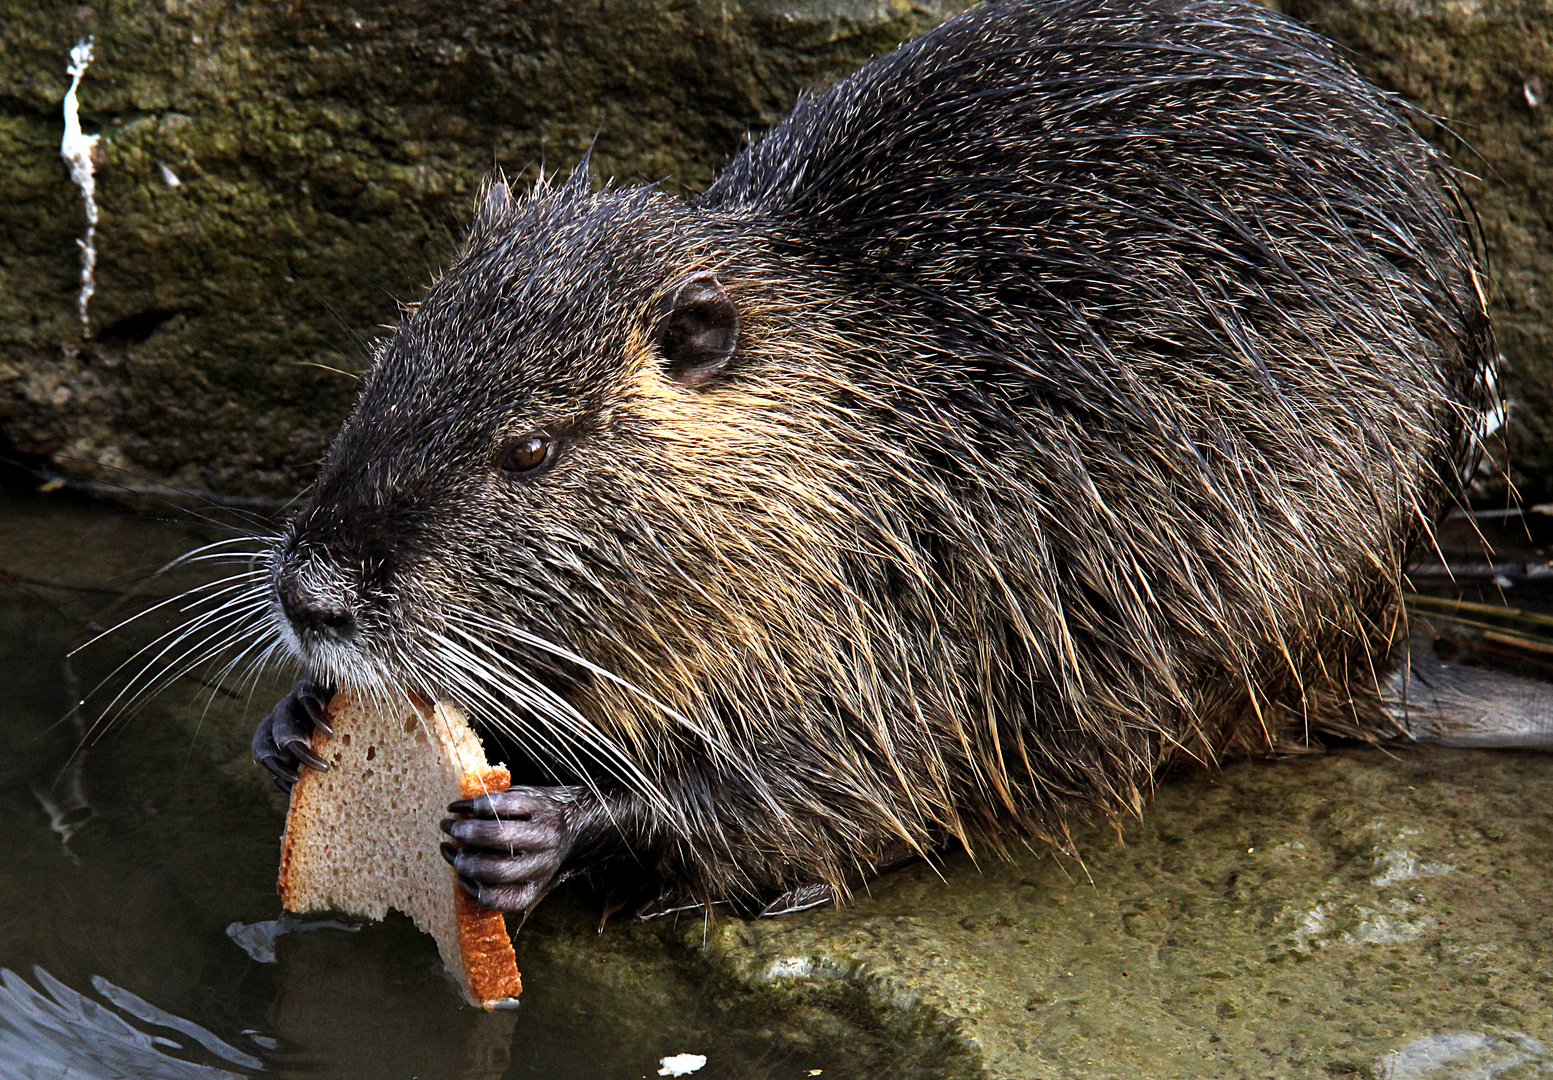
x: 1327, y: 915
x: 274, y: 179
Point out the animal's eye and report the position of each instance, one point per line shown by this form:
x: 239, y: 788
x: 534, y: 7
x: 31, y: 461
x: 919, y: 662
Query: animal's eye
x: 527, y: 453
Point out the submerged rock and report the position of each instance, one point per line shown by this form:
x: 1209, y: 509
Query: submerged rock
x: 1358, y: 913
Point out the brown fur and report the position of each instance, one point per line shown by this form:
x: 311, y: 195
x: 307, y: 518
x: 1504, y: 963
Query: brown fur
x: 1100, y: 366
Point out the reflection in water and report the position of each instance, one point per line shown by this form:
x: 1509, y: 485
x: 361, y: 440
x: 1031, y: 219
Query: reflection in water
x: 68, y: 1036
x: 64, y: 799
x: 257, y: 939
x: 1467, y: 1055
x: 382, y: 999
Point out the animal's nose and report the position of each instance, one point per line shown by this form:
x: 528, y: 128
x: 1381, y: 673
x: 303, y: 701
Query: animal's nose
x: 309, y: 613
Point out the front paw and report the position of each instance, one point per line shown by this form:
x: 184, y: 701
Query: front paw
x: 282, y: 742
x: 511, y: 845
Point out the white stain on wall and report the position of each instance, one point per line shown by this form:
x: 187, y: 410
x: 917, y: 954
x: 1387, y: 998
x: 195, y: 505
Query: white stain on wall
x: 76, y: 148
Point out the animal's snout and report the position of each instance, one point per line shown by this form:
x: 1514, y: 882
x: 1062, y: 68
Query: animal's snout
x: 310, y: 612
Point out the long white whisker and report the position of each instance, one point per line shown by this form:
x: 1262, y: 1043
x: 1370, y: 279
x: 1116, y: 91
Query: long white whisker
x: 206, y: 551
x: 231, y: 581
x: 526, y: 637
x: 460, y: 673
x: 245, y: 594
x: 256, y: 668
x: 233, y: 638
x: 221, y: 558
x: 252, y: 669
x: 567, y: 724
x: 719, y: 747
x: 232, y: 633
x: 266, y: 649
x: 546, y: 703
x: 154, y: 677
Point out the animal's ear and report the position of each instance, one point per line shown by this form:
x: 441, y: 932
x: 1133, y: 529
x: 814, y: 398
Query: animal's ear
x: 698, y: 329
x: 494, y: 205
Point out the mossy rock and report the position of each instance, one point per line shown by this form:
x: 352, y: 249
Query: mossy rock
x: 326, y: 157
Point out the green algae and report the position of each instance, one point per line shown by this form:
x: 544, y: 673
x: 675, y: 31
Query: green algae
x: 1299, y: 918
x: 327, y: 155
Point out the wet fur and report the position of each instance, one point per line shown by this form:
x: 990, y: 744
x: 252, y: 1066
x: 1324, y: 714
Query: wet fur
x: 1101, y: 366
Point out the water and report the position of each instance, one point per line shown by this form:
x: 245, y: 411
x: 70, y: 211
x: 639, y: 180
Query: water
x: 133, y: 855
x: 138, y: 900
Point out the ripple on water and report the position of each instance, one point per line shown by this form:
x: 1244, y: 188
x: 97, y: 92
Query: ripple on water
x: 61, y: 1034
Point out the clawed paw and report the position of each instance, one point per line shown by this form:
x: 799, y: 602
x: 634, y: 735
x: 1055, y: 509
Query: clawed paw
x: 510, y: 846
x: 282, y: 742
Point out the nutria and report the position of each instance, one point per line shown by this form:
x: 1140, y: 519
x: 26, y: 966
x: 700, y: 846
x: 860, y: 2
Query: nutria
x: 1062, y: 393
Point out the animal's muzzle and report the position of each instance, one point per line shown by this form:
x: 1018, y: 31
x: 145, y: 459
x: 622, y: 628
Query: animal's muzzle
x: 313, y: 615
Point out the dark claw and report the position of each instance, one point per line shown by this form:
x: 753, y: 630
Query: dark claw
x: 489, y: 806
x: 317, y: 712
x: 281, y: 771
x: 449, y: 851
x: 282, y: 742
x: 514, y: 804
x: 506, y: 897
x: 304, y: 753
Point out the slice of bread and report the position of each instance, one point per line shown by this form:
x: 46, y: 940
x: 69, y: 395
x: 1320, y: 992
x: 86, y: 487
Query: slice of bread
x: 364, y: 836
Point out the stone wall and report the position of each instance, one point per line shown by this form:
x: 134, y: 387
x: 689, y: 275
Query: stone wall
x: 275, y: 178
x: 1487, y: 67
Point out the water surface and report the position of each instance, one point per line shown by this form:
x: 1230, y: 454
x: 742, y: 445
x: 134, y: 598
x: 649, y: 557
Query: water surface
x: 141, y: 856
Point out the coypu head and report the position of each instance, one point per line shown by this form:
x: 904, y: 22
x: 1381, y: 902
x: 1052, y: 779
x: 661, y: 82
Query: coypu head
x: 575, y: 485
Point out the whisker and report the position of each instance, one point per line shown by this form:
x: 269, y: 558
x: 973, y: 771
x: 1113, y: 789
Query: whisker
x: 260, y: 660
x: 565, y: 723
x: 245, y: 593
x: 717, y: 745
x: 185, y: 595
x: 153, y: 676
x: 456, y: 674
x: 231, y: 637
x: 221, y: 637
x: 534, y: 640
x: 233, y: 631
x: 204, y: 549
x: 547, y: 702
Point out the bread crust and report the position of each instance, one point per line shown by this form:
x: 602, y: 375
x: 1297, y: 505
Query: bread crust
x: 363, y: 837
